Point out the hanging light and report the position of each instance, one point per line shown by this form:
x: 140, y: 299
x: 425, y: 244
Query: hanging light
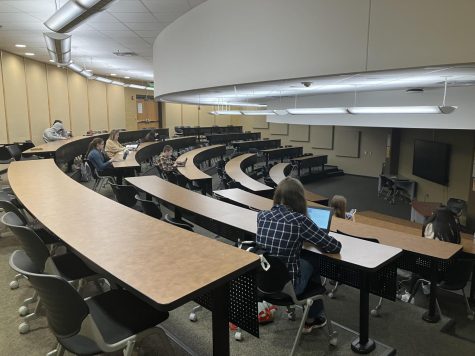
x: 59, y: 47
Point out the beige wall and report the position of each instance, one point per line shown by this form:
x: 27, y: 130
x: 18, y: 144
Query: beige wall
x: 34, y: 94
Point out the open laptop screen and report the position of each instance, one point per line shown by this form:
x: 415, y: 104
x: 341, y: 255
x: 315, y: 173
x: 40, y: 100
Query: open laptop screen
x: 322, y: 217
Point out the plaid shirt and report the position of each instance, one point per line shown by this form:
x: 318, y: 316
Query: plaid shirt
x: 165, y: 163
x: 281, y: 232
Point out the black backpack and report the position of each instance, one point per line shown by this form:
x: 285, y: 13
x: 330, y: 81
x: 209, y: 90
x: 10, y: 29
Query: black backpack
x: 442, y: 225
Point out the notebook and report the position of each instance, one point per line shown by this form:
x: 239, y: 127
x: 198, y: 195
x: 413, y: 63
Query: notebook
x: 321, y: 216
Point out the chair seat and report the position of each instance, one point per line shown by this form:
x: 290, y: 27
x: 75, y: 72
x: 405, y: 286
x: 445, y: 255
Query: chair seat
x: 283, y: 299
x: 72, y: 267
x: 118, y: 315
x: 452, y: 286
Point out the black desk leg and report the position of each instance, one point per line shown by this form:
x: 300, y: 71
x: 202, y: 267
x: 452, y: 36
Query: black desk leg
x: 472, y: 286
x: 432, y: 316
x: 363, y: 344
x: 220, y: 321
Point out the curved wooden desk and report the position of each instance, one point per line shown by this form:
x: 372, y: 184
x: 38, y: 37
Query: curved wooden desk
x: 234, y: 169
x: 281, y: 170
x: 147, y: 150
x: 193, y: 160
x: 163, y: 264
x: 244, y: 146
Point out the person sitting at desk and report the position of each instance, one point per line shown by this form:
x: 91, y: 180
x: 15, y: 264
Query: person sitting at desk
x: 281, y: 232
x: 95, y: 155
x: 149, y: 137
x: 338, y: 203
x: 166, y: 162
x: 55, y: 132
x: 112, y: 144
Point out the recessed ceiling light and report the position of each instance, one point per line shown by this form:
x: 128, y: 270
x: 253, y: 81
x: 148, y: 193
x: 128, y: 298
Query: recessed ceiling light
x: 113, y: 74
x: 88, y: 70
x: 126, y: 77
x: 20, y: 45
x: 51, y: 61
x: 29, y: 54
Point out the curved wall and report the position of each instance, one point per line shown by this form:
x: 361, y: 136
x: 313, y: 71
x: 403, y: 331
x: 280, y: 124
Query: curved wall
x: 225, y: 42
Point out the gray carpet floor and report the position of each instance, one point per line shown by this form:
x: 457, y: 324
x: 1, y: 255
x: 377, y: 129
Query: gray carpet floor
x: 399, y: 326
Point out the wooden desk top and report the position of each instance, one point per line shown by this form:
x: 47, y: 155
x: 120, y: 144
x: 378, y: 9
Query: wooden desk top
x: 243, y: 197
x: 53, y: 146
x: 234, y: 170
x: 129, y: 162
x: 277, y: 174
x: 190, y: 170
x: 305, y: 158
x: 165, y: 264
x: 388, y: 218
x: 424, y: 208
x: 364, y: 254
x: 199, y: 204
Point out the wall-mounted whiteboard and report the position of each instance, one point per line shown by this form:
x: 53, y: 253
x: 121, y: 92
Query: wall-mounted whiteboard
x: 347, y: 143
x: 322, y: 137
x: 259, y: 122
x: 279, y: 129
x: 299, y: 133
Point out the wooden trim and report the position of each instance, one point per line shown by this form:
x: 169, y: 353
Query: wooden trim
x: 4, y: 98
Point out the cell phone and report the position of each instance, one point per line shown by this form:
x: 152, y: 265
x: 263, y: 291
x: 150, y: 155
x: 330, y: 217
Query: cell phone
x: 126, y: 153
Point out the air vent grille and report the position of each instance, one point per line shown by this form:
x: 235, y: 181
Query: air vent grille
x: 124, y: 54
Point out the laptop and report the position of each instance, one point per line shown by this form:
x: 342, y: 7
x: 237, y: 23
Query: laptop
x: 321, y: 216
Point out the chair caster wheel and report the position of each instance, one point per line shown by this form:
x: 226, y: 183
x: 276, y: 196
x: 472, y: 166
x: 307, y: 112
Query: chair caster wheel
x: 24, y: 328
x: 330, y: 295
x: 23, y: 310
x: 291, y: 316
x: 374, y: 312
x: 14, y: 285
x: 238, y: 336
x: 334, y: 339
x: 193, y: 317
x: 470, y: 316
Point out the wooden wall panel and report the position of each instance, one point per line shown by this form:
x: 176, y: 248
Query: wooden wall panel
x: 172, y: 113
x: 205, y: 118
x: 116, y: 107
x: 189, y: 115
x: 37, y: 90
x: 16, y: 103
x: 347, y: 143
x: 259, y: 122
x: 79, y: 103
x: 98, y: 105
x: 58, y: 95
x: 299, y: 133
x: 278, y: 129
x: 321, y: 137
x: 3, y: 118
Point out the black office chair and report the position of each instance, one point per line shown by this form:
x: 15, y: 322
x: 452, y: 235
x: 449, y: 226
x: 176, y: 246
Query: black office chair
x: 269, y: 182
x: 99, y: 180
x: 178, y: 222
x: 125, y: 194
x: 105, y: 323
x: 150, y: 207
x: 14, y: 151
x: 274, y: 285
x: 67, y: 265
x: 5, y: 156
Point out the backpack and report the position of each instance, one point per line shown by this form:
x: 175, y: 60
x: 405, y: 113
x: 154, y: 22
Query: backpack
x: 442, y: 225
x: 86, y: 172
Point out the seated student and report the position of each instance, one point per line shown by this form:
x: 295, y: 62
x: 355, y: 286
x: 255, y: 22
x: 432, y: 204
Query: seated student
x: 338, y: 203
x: 56, y: 132
x: 112, y: 144
x: 96, y: 156
x: 166, y: 162
x: 281, y: 232
x: 149, y: 137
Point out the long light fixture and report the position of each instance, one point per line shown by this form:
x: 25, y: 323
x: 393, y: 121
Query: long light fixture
x: 257, y: 112
x: 72, y: 13
x: 104, y: 80
x: 58, y: 46
x: 225, y: 112
x: 136, y: 86
x: 80, y: 70
x: 317, y: 111
x: 402, y: 110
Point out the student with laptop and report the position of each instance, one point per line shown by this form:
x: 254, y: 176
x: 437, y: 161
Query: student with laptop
x: 168, y: 164
x: 282, y: 231
x: 112, y: 144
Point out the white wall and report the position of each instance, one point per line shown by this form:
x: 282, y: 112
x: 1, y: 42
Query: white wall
x: 226, y: 42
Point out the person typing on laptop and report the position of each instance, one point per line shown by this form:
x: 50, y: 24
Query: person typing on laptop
x: 168, y: 164
x: 282, y: 231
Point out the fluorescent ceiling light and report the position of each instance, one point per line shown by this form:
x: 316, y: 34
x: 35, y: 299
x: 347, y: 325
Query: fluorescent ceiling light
x: 29, y: 54
x: 20, y: 45
x: 113, y: 74
x: 87, y: 74
x: 150, y: 88
x: 118, y: 83
x: 135, y: 86
x: 317, y: 111
x: 72, y: 13
x: 225, y: 112
x: 402, y: 110
x: 257, y: 112
x: 58, y: 46
x: 281, y: 112
x: 104, y: 80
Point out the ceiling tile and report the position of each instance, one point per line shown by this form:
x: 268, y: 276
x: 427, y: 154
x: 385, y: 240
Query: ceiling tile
x: 167, y: 5
x: 151, y: 34
x: 167, y: 16
x: 145, y: 26
x: 108, y: 26
x: 102, y: 17
x: 135, y: 17
x: 127, y: 6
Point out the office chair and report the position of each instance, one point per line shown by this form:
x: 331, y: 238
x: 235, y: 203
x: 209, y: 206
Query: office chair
x: 104, y: 323
x: 14, y: 151
x: 149, y: 207
x: 67, y: 265
x: 5, y: 156
x: 125, y: 194
x: 455, y: 279
x: 99, y: 180
x: 274, y: 285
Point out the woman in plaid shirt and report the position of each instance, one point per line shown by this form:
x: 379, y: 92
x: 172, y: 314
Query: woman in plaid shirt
x: 281, y: 232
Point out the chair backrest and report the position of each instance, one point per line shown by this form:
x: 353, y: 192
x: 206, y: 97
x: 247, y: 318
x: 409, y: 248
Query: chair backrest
x: 32, y: 243
x: 4, y: 153
x: 275, y: 278
x: 169, y: 220
x: 370, y: 239
x: 8, y: 206
x: 150, y: 207
x: 65, y: 308
x: 92, y: 168
x: 15, y: 151
x: 458, y: 272
x: 457, y: 206
x: 125, y: 194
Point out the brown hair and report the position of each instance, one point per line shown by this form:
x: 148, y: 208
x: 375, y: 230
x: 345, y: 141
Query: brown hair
x: 338, y: 202
x: 113, y: 133
x: 290, y: 193
x: 94, y: 143
x: 167, y: 148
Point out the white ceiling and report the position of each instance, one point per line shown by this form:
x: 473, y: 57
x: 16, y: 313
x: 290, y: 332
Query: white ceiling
x: 258, y: 93
x: 127, y: 25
